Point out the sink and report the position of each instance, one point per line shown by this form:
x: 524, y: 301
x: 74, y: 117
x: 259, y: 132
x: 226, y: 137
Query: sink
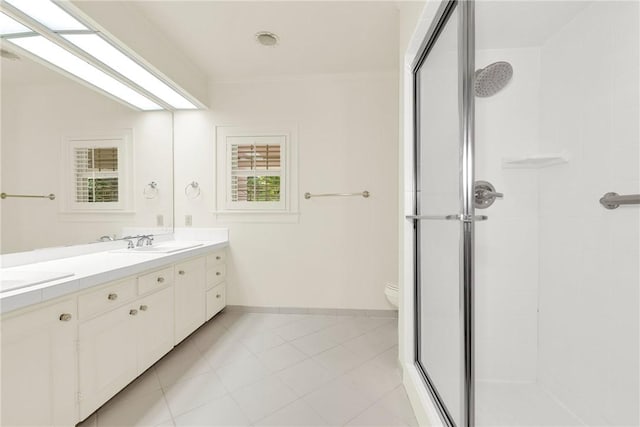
x: 165, y: 248
x: 16, y: 279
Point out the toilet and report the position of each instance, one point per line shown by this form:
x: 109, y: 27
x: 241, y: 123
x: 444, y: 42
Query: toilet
x: 391, y: 291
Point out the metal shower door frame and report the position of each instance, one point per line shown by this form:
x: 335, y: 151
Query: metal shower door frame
x: 467, y: 218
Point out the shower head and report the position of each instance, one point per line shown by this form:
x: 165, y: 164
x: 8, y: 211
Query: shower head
x: 492, y: 78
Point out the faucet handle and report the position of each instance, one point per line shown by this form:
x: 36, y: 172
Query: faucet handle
x: 144, y: 240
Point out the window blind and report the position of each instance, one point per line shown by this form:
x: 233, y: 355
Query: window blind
x: 96, y: 175
x: 255, y: 172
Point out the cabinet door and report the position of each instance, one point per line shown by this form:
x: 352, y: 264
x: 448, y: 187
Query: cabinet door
x: 107, y: 357
x: 190, y: 304
x: 216, y: 300
x: 39, y: 365
x: 155, y: 327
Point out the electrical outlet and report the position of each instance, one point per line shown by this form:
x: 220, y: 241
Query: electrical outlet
x: 160, y: 220
x: 188, y: 221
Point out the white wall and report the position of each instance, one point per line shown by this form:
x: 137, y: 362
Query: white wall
x: 589, y: 256
x: 35, y: 119
x: 342, y: 251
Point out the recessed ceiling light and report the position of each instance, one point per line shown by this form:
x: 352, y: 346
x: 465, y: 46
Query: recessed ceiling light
x: 266, y: 38
x: 67, y: 61
x: 104, y: 64
x: 48, y: 14
x: 11, y: 26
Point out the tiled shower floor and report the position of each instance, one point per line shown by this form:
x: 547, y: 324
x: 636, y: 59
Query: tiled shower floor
x: 519, y: 405
x: 263, y: 369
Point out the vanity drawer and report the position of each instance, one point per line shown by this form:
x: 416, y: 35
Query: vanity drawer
x: 106, y: 298
x: 216, y: 300
x: 215, y: 258
x: 155, y: 280
x: 216, y: 275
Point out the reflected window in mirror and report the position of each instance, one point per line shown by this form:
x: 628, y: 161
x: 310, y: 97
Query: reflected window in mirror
x: 99, y: 176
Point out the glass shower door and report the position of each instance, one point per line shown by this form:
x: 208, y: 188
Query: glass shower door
x: 443, y: 234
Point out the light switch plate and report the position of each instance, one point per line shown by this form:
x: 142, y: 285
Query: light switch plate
x: 188, y: 220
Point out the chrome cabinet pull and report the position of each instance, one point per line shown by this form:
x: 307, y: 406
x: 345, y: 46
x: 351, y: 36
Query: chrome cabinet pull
x: 144, y: 307
x: 160, y: 279
x: 65, y: 317
x: 218, y: 295
x: 218, y: 273
x: 133, y: 312
x: 181, y: 272
x: 112, y: 297
x: 218, y: 257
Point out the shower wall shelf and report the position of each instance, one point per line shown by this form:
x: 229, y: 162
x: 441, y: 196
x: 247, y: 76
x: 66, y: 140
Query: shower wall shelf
x: 535, y: 161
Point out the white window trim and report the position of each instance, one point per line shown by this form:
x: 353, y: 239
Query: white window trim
x: 123, y: 139
x: 287, y: 209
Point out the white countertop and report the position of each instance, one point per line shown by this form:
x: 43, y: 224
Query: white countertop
x: 93, y: 269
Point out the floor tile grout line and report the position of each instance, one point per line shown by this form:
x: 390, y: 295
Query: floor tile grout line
x: 372, y: 405
x: 273, y: 374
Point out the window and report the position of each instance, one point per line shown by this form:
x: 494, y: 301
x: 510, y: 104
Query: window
x: 255, y: 173
x: 98, y: 174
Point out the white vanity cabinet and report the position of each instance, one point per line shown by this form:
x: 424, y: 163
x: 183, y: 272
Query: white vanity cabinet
x: 39, y: 365
x: 107, y: 357
x: 62, y: 360
x: 116, y: 346
x: 215, y: 283
x: 189, y: 291
x: 154, y: 328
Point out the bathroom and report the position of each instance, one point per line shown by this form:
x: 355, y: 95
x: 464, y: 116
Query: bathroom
x: 271, y: 170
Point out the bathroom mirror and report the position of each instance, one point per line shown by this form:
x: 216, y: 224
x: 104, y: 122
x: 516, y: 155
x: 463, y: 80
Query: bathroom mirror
x: 100, y: 168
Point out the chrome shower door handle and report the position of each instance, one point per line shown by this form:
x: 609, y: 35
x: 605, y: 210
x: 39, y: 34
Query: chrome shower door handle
x: 453, y: 217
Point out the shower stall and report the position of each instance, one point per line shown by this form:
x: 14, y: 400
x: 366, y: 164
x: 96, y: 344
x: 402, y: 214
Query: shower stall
x: 526, y: 213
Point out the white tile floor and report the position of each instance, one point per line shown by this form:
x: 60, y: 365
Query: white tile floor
x: 259, y: 369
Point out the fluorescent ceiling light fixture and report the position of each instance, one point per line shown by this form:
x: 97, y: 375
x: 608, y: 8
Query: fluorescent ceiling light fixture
x: 9, y: 25
x: 70, y: 63
x: 109, y: 55
x: 48, y: 14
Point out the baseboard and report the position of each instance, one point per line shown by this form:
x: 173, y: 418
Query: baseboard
x: 307, y: 310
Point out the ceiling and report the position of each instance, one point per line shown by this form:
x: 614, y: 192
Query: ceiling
x: 315, y: 36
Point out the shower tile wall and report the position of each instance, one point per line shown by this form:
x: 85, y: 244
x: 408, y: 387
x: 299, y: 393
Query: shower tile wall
x: 557, y: 284
x: 507, y: 125
x: 589, y: 256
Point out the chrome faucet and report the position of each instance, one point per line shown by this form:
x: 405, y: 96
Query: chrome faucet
x: 106, y: 238
x: 144, y: 239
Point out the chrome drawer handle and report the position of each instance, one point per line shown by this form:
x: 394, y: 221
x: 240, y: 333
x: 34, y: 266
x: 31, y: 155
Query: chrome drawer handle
x: 181, y: 272
x: 65, y: 317
x: 112, y: 297
x: 133, y: 312
x: 160, y: 279
x: 144, y: 307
